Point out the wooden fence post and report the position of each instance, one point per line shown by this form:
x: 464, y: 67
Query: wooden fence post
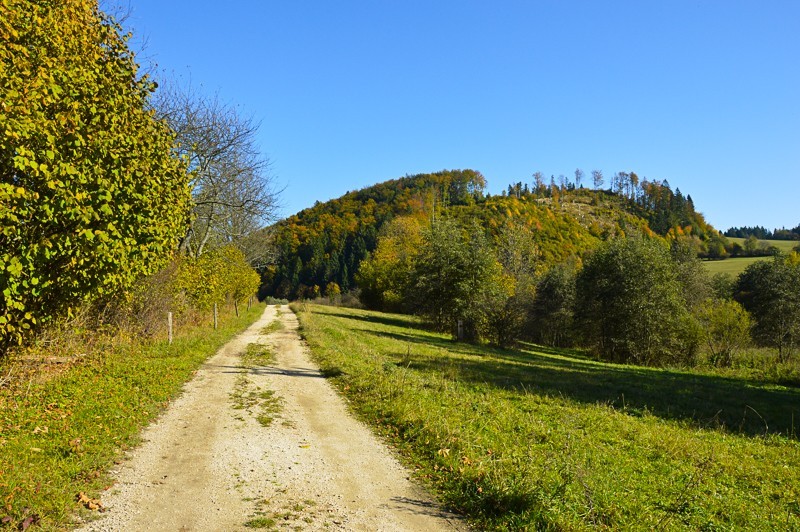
x: 169, y: 326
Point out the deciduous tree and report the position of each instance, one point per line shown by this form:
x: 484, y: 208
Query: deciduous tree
x: 770, y: 291
x: 92, y: 195
x: 552, y: 309
x: 232, y: 188
x: 597, y: 179
x: 726, y: 329
x: 455, y: 274
x: 629, y: 306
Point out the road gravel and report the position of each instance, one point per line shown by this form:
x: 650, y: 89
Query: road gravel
x: 209, y: 464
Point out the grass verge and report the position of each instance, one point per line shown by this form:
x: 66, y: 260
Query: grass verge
x: 59, y: 436
x: 541, y: 439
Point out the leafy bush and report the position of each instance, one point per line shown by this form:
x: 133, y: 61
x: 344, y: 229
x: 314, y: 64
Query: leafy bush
x: 770, y: 291
x: 457, y: 278
x: 91, y: 194
x: 551, y: 319
x: 629, y: 305
x: 215, y: 276
x: 726, y: 329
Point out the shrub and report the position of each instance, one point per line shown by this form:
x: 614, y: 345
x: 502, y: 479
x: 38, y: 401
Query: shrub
x: 216, y: 276
x: 91, y: 195
x: 770, y: 291
x: 629, y: 306
x: 726, y: 329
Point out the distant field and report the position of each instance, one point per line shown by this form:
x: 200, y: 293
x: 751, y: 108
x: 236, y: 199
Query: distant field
x: 732, y: 267
x: 543, y: 439
x: 783, y: 245
x: 737, y: 265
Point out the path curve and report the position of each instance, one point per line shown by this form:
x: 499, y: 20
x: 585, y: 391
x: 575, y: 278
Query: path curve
x: 208, y: 465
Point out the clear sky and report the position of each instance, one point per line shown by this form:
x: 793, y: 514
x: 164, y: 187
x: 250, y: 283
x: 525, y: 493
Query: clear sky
x: 705, y: 94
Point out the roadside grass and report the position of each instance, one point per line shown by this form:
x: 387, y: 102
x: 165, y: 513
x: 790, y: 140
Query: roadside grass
x: 60, y: 435
x: 546, y: 439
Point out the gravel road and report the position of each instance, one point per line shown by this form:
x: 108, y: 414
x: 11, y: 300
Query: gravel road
x: 210, y: 464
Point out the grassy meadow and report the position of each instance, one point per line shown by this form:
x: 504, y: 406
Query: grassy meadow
x: 736, y: 265
x: 63, y: 425
x: 784, y: 245
x: 536, y: 438
x: 731, y: 266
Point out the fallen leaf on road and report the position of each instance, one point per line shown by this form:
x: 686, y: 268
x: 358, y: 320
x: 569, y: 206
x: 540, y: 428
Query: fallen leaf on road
x: 88, y: 502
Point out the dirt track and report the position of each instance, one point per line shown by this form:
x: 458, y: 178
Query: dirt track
x: 207, y: 465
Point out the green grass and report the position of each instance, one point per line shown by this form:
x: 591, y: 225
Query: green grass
x: 263, y: 404
x: 784, y: 245
x: 547, y: 439
x: 274, y: 326
x: 258, y: 355
x: 733, y: 266
x: 60, y: 435
x: 736, y: 265
x: 261, y: 522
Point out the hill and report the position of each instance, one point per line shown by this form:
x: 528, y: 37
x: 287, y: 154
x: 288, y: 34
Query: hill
x: 325, y: 244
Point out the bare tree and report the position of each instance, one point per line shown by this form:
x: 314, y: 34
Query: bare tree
x: 538, y: 182
x: 233, y: 190
x: 597, y: 179
x: 578, y: 177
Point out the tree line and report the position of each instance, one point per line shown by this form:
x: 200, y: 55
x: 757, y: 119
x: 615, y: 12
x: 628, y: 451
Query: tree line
x: 762, y: 233
x: 633, y: 299
x: 325, y: 244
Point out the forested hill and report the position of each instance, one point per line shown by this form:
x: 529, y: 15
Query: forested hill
x: 326, y: 243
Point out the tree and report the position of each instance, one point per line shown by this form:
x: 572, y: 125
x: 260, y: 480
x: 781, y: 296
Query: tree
x: 217, y: 275
x: 551, y: 312
x: 770, y: 292
x: 597, y: 179
x: 726, y: 329
x: 578, y: 177
x: 518, y: 255
x: 455, y: 274
x: 629, y: 306
x: 538, y: 182
x: 692, y: 275
x: 751, y: 245
x: 92, y: 196
x: 387, y: 274
x: 232, y: 187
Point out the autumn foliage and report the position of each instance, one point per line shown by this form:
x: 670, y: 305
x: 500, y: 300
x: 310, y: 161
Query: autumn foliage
x: 91, y: 194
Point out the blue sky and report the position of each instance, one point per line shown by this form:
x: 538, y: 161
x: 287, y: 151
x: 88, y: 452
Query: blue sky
x: 705, y: 94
